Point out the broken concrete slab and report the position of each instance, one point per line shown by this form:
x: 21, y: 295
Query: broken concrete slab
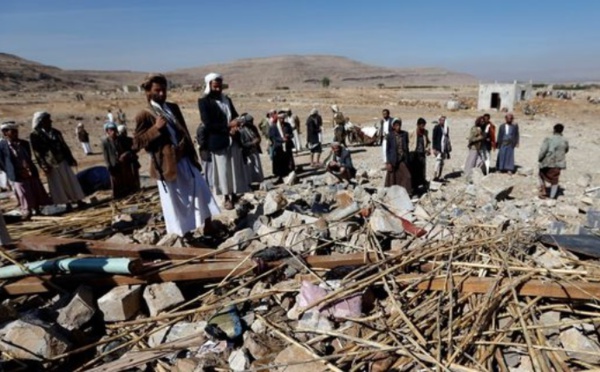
x: 342, y: 213
x: 382, y: 222
x: 397, y: 198
x: 162, y: 296
x: 238, y: 360
x: 28, y: 341
x: 574, y: 341
x: 240, y: 240
x: 120, y: 303
x: 274, y: 202
x: 80, y: 309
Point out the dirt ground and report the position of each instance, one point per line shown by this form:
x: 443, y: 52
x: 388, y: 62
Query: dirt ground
x: 363, y: 106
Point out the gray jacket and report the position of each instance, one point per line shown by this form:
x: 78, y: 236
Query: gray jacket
x: 553, y: 152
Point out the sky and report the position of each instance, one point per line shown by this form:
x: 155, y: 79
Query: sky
x: 501, y: 40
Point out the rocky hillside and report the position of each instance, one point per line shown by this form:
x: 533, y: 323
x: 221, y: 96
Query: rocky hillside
x: 281, y: 72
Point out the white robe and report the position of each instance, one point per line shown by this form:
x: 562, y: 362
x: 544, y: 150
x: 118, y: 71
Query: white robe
x: 385, y: 129
x: 187, y: 201
x: 63, y: 185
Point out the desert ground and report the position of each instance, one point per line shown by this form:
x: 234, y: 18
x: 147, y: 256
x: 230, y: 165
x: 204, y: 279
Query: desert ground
x: 362, y: 105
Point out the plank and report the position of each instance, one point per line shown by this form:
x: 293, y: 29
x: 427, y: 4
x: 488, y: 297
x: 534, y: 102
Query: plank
x: 574, y: 290
x: 67, y: 246
x: 585, y: 245
x: 34, y: 284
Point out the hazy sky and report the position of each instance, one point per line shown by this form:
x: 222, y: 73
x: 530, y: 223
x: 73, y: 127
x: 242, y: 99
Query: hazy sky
x: 509, y: 39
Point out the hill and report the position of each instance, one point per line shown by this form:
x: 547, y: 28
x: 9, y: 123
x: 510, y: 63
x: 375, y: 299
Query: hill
x: 293, y: 71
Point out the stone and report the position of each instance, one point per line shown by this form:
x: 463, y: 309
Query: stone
x: 187, y: 365
x: 397, y: 198
x: 551, y: 259
x: 266, y: 186
x: 384, y: 223
x: 121, y: 239
x: 313, y: 320
x: 296, y: 359
x: 550, y: 318
x: 258, y: 326
x: 584, y: 180
x: 80, y: 309
x: 171, y: 240
x: 255, y: 346
x: 343, y: 230
x: 274, y: 202
x: 593, y: 219
x: 270, y: 236
x: 572, y: 339
x: 498, y: 185
x: 240, y: 240
x: 7, y: 312
x: 397, y: 245
x: 120, y: 303
x: 344, y: 198
x: 238, y: 360
x: 342, y: 213
x: 525, y: 365
x: 421, y: 213
x: 567, y: 210
x: 28, y: 341
x: 162, y: 296
x: 435, y: 186
x: 291, y: 179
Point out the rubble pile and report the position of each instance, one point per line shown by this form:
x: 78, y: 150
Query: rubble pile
x: 323, y: 275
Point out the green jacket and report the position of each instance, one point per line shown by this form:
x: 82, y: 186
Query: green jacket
x: 553, y: 152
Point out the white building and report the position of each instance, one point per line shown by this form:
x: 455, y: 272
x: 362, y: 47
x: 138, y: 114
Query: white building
x: 502, y: 96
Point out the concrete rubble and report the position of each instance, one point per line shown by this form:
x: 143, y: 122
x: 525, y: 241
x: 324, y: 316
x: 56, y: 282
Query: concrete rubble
x: 453, y: 274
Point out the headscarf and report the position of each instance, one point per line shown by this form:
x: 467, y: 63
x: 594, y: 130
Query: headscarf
x: 314, y: 111
x: 80, y: 125
x: 208, y: 78
x: 9, y: 125
x: 110, y: 125
x: 121, y: 129
x: 37, y: 118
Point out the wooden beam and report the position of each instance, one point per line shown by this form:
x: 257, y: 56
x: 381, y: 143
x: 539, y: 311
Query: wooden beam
x: 188, y: 272
x: 574, y: 290
x: 65, y: 246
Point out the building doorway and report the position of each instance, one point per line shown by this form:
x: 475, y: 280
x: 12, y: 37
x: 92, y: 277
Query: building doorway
x: 495, y: 102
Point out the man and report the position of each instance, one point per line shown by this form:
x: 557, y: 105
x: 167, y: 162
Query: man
x: 280, y: 135
x: 185, y: 198
x: 419, y: 150
x: 294, y: 121
x: 396, y: 160
x: 121, y: 162
x: 16, y: 161
x: 385, y: 124
x: 84, y: 138
x: 220, y: 118
x: 109, y: 116
x: 552, y: 159
x: 205, y: 156
x: 339, y: 122
x: 441, y: 146
x: 250, y: 140
x: 55, y: 158
x: 313, y: 138
x: 340, y: 164
x: 489, y: 142
x: 474, y: 144
x: 508, y: 140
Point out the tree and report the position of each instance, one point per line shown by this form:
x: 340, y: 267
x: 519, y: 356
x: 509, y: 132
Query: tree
x: 325, y: 82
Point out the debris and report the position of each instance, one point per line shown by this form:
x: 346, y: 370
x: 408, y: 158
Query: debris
x: 162, y: 296
x: 80, y: 309
x: 29, y: 341
x: 120, y: 303
x: 580, y: 347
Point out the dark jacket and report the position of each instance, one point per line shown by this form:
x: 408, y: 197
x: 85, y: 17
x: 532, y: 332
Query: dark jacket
x: 503, y: 141
x: 50, y: 149
x: 313, y: 128
x: 248, y: 134
x: 279, y: 141
x: 83, y: 136
x: 202, y: 140
x: 113, y: 149
x: 215, y: 120
x: 10, y: 164
x: 157, y: 142
x: 391, y: 154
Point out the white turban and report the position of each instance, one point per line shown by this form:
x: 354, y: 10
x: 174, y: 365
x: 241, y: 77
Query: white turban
x: 9, y: 125
x: 314, y: 111
x: 208, y: 78
x: 121, y: 128
x: 37, y: 118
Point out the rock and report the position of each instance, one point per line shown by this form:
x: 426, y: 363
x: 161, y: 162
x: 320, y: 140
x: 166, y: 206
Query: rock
x: 28, y: 341
x: 266, y: 186
x: 80, y: 309
x: 342, y: 213
x: 498, y: 185
x: 396, y: 245
x: 384, y: 223
x: 238, y: 360
x: 186, y: 365
x: 314, y: 320
x: 550, y: 318
x: 296, y: 359
x: 382, y: 362
x: 343, y: 230
x: 255, y: 346
x: 435, y: 186
x: 572, y: 339
x: 525, y: 365
x: 585, y: 180
x: 258, y: 326
x: 593, y: 219
x: 291, y: 179
x: 344, y: 198
x: 120, y: 303
x: 121, y: 239
x: 170, y: 240
x: 274, y: 202
x: 397, y: 198
x: 551, y: 259
x: 144, y: 236
x: 162, y: 296
x: 421, y: 213
x: 567, y: 210
x: 240, y: 240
